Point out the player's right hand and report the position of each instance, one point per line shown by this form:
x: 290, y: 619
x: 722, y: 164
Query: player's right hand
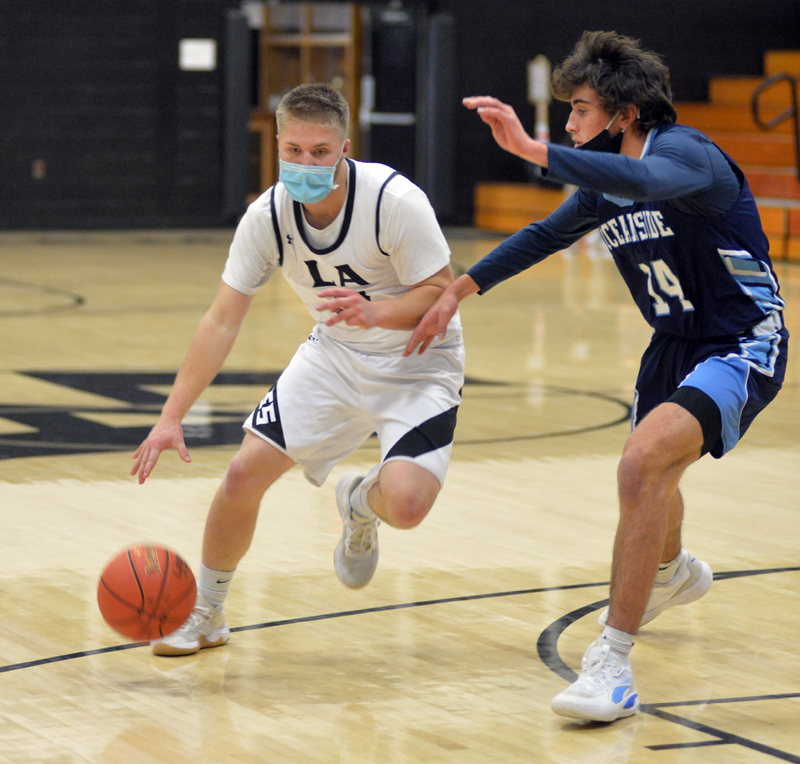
x: 163, y: 436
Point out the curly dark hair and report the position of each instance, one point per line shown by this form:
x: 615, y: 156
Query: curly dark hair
x: 621, y: 73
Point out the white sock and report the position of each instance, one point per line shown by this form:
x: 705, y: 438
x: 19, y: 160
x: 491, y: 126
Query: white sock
x: 621, y: 642
x: 667, y: 570
x: 214, y: 584
x: 360, y: 504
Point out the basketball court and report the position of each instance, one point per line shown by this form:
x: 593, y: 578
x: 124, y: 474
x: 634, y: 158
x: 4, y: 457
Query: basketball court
x: 474, y: 620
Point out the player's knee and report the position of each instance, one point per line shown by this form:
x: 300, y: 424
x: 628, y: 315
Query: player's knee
x: 407, y: 506
x: 636, y: 469
x: 408, y: 514
x: 241, y: 480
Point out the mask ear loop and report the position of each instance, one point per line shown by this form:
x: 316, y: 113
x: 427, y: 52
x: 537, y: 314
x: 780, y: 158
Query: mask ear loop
x: 336, y: 164
x: 638, y: 116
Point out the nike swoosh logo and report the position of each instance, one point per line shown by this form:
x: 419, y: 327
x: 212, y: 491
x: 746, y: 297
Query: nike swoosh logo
x: 225, y: 581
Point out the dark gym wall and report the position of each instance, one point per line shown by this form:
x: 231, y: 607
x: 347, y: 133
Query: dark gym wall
x: 100, y: 128
x: 699, y: 39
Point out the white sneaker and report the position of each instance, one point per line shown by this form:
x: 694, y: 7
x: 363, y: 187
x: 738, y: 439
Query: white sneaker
x: 356, y: 555
x: 205, y: 627
x: 604, y: 690
x: 692, y: 580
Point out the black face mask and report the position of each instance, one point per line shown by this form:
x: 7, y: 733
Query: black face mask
x: 604, y: 141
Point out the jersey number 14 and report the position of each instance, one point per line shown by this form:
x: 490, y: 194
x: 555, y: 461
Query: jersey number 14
x: 668, y: 283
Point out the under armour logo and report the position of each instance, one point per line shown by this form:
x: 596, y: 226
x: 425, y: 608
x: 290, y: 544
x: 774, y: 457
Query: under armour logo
x: 289, y: 238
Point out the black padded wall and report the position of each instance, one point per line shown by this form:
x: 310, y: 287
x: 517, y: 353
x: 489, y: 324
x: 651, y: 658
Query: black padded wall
x: 100, y: 127
x: 699, y: 39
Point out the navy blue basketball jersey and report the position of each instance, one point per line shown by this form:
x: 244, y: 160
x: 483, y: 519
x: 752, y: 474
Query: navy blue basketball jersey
x: 681, y: 224
x: 692, y: 275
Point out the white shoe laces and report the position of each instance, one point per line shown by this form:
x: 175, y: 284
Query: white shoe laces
x: 193, y: 626
x: 599, y: 669
x: 361, y: 537
x: 198, y: 618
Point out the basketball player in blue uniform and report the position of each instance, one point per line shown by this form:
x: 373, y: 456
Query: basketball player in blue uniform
x: 361, y: 246
x: 682, y: 226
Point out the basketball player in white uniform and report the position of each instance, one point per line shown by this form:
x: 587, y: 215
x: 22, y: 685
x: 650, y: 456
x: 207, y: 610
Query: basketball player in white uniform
x: 361, y: 246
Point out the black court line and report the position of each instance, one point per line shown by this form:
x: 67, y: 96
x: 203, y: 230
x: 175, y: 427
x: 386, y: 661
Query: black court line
x: 717, y: 701
x: 550, y: 389
x: 723, y: 738
x: 73, y: 300
x: 547, y: 648
x: 673, y: 746
x: 546, y: 645
x: 312, y: 619
x: 70, y: 656
x: 58, y: 430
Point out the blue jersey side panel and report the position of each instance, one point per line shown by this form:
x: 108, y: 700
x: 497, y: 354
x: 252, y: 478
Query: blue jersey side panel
x: 693, y: 275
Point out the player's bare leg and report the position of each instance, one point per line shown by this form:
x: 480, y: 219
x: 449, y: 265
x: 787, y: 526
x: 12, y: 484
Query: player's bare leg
x: 229, y: 530
x: 231, y: 521
x: 655, y: 457
x: 402, y: 496
x: 681, y: 577
x: 672, y: 544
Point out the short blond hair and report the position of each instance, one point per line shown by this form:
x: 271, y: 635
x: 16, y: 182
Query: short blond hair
x: 316, y: 103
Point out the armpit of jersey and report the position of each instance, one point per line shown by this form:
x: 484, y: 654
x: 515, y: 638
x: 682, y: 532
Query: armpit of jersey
x: 618, y: 200
x: 253, y: 256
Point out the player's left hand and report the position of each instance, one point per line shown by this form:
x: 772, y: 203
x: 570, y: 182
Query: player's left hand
x: 350, y: 307
x: 506, y: 126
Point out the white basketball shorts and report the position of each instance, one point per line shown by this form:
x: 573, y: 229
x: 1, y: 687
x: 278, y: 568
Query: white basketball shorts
x: 331, y: 398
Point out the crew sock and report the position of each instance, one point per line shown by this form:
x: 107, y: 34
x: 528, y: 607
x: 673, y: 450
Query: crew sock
x: 214, y: 584
x: 359, y: 501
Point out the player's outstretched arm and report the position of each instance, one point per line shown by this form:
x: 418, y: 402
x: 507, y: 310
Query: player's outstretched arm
x: 434, y: 323
x: 210, y: 346
x: 507, y: 129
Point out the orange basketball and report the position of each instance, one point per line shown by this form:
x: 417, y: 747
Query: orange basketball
x: 146, y: 592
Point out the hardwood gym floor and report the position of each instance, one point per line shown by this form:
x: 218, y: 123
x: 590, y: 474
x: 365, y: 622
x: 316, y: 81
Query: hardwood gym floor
x: 474, y: 620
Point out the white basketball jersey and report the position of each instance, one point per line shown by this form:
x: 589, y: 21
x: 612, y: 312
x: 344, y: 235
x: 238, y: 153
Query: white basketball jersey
x: 385, y: 239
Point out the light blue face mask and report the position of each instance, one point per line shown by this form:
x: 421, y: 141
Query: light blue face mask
x: 308, y: 184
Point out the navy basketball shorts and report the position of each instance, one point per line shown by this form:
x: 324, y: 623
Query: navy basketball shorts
x: 740, y: 375
x: 330, y: 399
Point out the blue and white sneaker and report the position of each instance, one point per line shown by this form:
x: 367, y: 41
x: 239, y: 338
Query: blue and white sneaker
x: 691, y: 581
x: 604, y: 690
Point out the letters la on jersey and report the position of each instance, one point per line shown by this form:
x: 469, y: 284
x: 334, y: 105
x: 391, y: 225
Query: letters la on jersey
x: 354, y: 261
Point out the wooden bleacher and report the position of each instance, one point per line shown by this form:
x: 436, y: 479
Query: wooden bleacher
x: 767, y: 158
